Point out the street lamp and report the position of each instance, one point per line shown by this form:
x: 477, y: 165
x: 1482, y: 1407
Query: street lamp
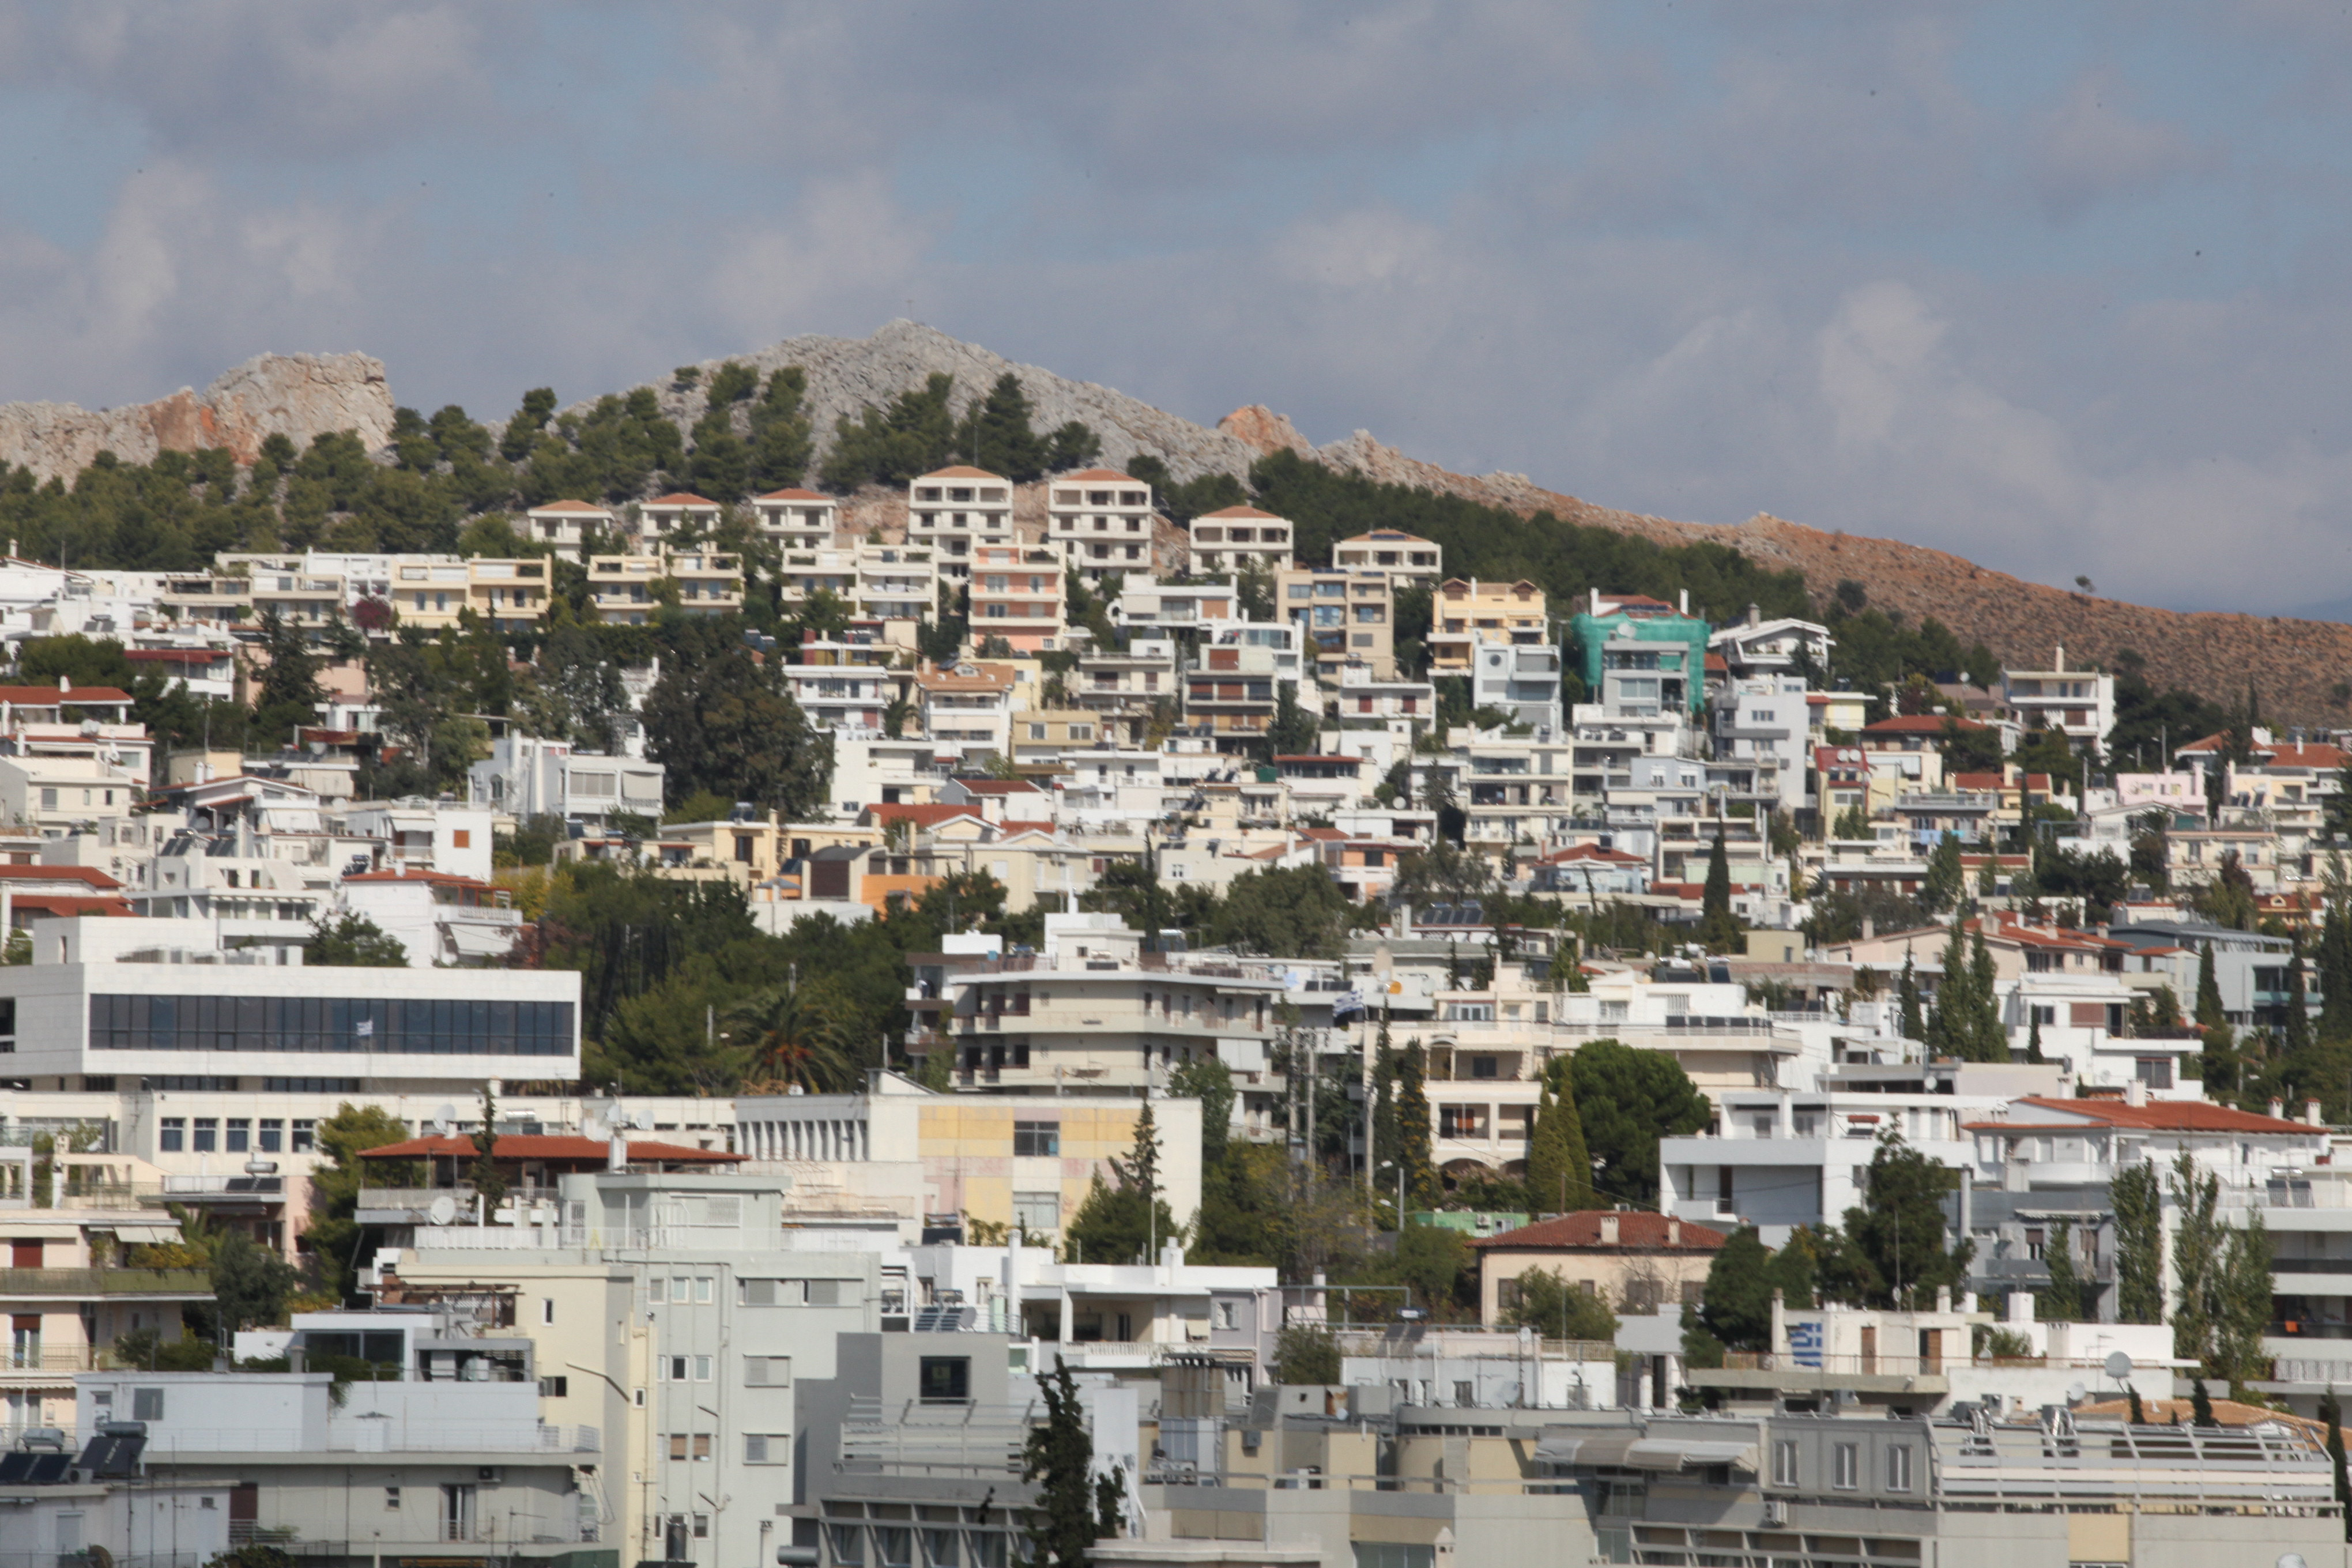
x: 1386, y: 1164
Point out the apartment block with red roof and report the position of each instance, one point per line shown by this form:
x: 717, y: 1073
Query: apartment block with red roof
x: 957, y: 509
x: 1635, y: 1262
x: 1099, y: 520
x: 570, y: 523
x: 967, y: 708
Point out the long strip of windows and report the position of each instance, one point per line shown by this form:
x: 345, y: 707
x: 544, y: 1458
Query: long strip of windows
x: 441, y: 1026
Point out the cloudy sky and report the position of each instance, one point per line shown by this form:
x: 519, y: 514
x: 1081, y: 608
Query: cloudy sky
x: 2061, y: 288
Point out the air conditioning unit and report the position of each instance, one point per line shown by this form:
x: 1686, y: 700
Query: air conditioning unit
x: 1775, y: 1512
x: 489, y: 1474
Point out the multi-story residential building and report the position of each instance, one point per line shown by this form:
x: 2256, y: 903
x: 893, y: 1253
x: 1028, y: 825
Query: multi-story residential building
x: 1404, y: 708
x: 957, y: 509
x: 1522, y: 680
x: 1412, y: 561
x: 92, y: 723
x: 1230, y: 693
x: 627, y: 589
x: 1640, y: 655
x: 525, y: 776
x: 1467, y: 613
x: 1349, y: 618
x: 896, y: 582
x: 60, y: 795
x: 2078, y: 704
x: 1755, y: 649
x: 1099, y: 520
x: 439, y: 920
x: 661, y: 523
x: 1150, y: 608
x: 1093, y: 1015
x: 570, y: 523
x: 807, y: 569
x: 1017, y: 597
x: 967, y: 709
x: 1635, y: 1262
x: 1125, y: 687
x: 1239, y: 537
x: 1043, y: 735
x: 511, y: 595
x: 846, y: 684
x: 796, y: 519
x: 1765, y: 718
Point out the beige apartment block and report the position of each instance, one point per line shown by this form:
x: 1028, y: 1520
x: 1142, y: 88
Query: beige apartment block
x: 1239, y: 537
x: 1099, y: 520
x: 796, y: 519
x: 570, y: 523
x: 1344, y: 617
x: 956, y: 511
x: 1407, y: 557
x: 1467, y: 612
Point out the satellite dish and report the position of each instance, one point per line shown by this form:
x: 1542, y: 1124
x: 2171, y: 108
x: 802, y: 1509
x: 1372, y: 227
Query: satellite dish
x: 2074, y: 1391
x: 642, y: 1121
x: 2119, y: 1366
x: 444, y: 1209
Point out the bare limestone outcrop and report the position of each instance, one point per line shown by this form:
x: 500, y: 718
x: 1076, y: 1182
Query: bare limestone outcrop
x: 296, y: 395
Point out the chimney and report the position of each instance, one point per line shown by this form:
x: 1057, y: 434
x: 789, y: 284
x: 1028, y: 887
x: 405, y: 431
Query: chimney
x: 2020, y: 1306
x: 1942, y: 1297
x: 2278, y: 1109
x: 2136, y: 1091
x: 1755, y: 615
x: 1674, y: 1226
x: 1608, y: 1230
x: 1685, y: 601
x: 2059, y: 663
x: 1596, y: 602
x: 2311, y: 1113
x: 616, y: 1152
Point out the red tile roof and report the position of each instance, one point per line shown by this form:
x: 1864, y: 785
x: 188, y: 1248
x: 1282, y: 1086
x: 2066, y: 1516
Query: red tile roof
x: 1103, y: 474
x: 1634, y: 1229
x: 69, y: 904
x: 925, y: 815
x: 961, y: 472
x: 1243, y: 511
x: 1000, y: 786
x: 50, y: 697
x: 1592, y: 852
x: 683, y: 498
x: 88, y: 876
x: 1920, y: 724
x: 794, y: 495
x: 177, y: 655
x: 544, y: 1146
x: 435, y: 879
x: 571, y: 506
x: 2156, y: 1116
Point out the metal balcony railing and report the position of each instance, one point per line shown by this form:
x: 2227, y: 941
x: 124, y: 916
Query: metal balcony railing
x: 74, y: 1282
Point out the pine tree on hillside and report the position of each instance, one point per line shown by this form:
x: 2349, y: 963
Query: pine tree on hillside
x: 1718, y: 926
x: 1412, y: 1128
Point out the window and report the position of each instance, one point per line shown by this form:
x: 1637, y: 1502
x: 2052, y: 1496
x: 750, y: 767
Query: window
x: 240, y: 1134
x: 672, y: 1368
x: 1037, y: 1138
x: 173, y: 1135
x: 1037, y: 1213
x: 702, y: 1369
x: 306, y: 1135
x: 2154, y: 1072
x: 848, y: 1545
x: 1482, y: 1067
x: 766, y: 1372
x: 702, y: 1289
x: 392, y: 1498
x: 945, y: 1379
x: 207, y: 1134
x: 1847, y: 1466
x: 547, y: 1309
x: 146, y: 1404
x: 273, y: 1134
x: 1898, y: 1467
x: 554, y: 1388
x: 766, y: 1448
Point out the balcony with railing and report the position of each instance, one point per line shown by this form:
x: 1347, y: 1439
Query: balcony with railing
x: 80, y: 1284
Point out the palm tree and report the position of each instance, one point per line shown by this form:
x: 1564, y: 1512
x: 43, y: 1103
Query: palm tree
x: 795, y: 1038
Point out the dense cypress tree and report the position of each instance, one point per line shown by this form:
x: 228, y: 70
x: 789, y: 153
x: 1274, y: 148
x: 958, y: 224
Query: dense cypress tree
x: 1907, y: 997
x: 2331, y: 1411
x: 2298, y: 1034
x: 1412, y: 1128
x: 2220, y: 1066
x: 1056, y: 1458
x: 2139, y: 1200
x: 1718, y: 926
x: 1991, y: 1039
x: 2334, y: 963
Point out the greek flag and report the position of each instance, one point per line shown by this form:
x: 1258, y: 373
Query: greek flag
x: 364, y: 1027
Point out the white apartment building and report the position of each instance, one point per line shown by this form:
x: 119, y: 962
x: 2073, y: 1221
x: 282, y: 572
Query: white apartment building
x: 439, y: 920
x: 1151, y: 609
x: 896, y: 582
x: 665, y: 519
x: 1099, y: 520
x: 1755, y: 649
x: 1523, y: 681
x: 1763, y: 719
x: 1407, y: 558
x: 955, y: 509
x: 2078, y: 704
x: 570, y: 523
x: 796, y: 519
x: 967, y: 709
x: 525, y: 776
x: 1241, y: 536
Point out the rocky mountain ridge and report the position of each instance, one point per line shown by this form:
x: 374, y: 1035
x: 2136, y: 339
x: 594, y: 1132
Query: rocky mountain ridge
x: 2297, y: 665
